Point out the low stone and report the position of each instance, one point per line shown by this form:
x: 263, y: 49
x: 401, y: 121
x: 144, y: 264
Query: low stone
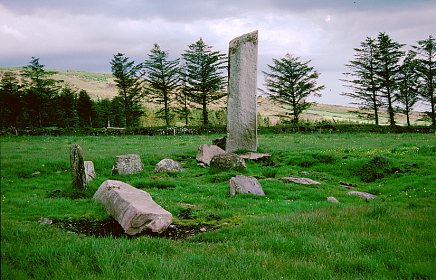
x: 45, y: 221
x: 134, y: 209
x: 206, y: 152
x: 304, y: 172
x: 228, y: 162
x: 245, y: 184
x: 364, y: 195
x: 127, y: 164
x: 220, y: 142
x: 203, y: 229
x: 300, y: 180
x: 255, y: 156
x: 89, y: 170
x: 332, y: 199
x: 168, y: 165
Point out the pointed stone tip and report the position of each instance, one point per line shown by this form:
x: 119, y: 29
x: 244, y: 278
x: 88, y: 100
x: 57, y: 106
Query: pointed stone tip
x: 248, y: 37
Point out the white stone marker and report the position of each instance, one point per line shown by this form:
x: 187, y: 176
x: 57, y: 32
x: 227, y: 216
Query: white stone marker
x: 241, y: 101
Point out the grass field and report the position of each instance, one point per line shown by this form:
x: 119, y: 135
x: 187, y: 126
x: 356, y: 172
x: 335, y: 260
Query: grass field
x: 291, y: 233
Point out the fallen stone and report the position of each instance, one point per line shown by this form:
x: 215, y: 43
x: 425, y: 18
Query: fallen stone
x: 127, y: 164
x: 134, y: 209
x: 206, y: 152
x: 168, y: 165
x: 332, y: 199
x: 300, y: 180
x: 347, y: 185
x: 245, y: 184
x: 228, y: 162
x: 364, y: 195
x: 255, y: 156
x: 89, y: 170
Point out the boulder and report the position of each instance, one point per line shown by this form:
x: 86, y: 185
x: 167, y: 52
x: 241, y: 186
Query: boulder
x: 364, y: 195
x: 300, y: 180
x: 127, y: 164
x: 89, y: 170
x: 227, y: 162
x: 134, y: 209
x: 206, y: 152
x: 245, y: 184
x: 332, y: 199
x: 168, y: 165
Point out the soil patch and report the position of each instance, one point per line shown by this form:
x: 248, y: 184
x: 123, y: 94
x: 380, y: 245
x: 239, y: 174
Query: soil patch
x: 111, y: 227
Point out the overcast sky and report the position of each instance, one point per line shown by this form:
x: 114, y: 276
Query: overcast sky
x: 85, y: 34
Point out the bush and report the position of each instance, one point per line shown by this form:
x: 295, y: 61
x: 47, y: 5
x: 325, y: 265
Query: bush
x: 375, y: 169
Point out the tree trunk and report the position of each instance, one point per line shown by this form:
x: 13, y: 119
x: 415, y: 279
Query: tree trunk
x: 205, y: 117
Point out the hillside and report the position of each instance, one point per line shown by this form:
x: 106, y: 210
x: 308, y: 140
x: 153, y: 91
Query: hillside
x: 101, y: 86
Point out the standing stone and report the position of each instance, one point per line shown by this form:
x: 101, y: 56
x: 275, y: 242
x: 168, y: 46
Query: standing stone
x: 89, y: 171
x: 77, y: 167
x: 242, y: 102
x: 127, y: 164
x: 134, y: 209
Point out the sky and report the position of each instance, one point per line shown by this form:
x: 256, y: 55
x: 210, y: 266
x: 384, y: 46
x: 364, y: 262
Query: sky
x: 85, y: 34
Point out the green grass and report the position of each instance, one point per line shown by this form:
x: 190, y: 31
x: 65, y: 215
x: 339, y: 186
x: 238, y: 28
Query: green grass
x: 291, y: 233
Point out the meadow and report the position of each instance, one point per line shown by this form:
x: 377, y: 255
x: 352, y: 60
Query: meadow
x: 291, y: 233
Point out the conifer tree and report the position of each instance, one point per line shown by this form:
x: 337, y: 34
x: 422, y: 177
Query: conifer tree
x: 290, y: 81
x: 362, y: 79
x: 162, y: 77
x: 204, y: 75
x: 426, y: 50
x: 11, y: 104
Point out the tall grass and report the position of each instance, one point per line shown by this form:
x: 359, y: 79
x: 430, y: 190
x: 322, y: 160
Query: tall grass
x: 291, y: 233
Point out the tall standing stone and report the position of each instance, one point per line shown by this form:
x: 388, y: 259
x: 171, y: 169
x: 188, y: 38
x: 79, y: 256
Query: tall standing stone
x: 77, y: 167
x: 241, y: 102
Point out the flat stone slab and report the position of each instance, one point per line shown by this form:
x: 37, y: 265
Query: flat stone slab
x: 134, y: 209
x: 168, y: 165
x: 245, y: 184
x: 255, y: 156
x: 228, y: 162
x: 300, y: 180
x: 127, y: 164
x: 364, y: 195
x: 332, y: 199
x: 206, y: 152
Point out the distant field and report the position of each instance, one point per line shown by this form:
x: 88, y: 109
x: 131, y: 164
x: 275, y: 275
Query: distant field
x: 101, y: 86
x: 291, y: 233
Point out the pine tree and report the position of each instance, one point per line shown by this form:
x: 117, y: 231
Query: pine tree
x: 362, y: 79
x: 85, y: 109
x: 67, y: 108
x: 289, y: 82
x: 426, y: 51
x: 388, y: 56
x: 129, y: 88
x: 40, y: 91
x: 204, y: 75
x: 162, y: 77
x: 407, y: 94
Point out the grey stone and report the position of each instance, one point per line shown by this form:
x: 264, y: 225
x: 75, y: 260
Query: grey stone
x: 206, y: 152
x: 168, y: 165
x: 45, y: 221
x: 77, y: 167
x: 364, y: 195
x: 332, y: 199
x: 127, y: 164
x: 255, y: 156
x: 242, y: 94
x: 134, y: 209
x: 245, y: 184
x: 89, y: 170
x: 300, y: 180
x: 228, y: 162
